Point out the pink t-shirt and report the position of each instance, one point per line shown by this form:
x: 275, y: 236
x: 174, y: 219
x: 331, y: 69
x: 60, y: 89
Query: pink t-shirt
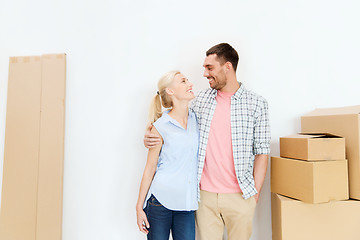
x: 218, y: 174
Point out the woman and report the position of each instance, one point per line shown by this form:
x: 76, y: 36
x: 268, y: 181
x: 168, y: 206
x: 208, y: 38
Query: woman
x: 168, y: 191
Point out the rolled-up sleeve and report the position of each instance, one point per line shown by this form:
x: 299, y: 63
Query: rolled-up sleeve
x: 262, y: 133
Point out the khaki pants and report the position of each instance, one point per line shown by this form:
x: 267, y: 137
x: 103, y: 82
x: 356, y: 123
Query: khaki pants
x: 217, y: 210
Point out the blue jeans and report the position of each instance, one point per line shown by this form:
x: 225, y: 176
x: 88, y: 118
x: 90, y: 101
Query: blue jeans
x: 162, y: 220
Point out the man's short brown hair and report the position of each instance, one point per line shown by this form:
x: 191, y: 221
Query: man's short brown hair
x: 225, y: 53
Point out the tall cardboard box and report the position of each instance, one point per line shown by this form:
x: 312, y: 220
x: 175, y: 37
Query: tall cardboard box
x: 311, y: 182
x: 296, y: 220
x: 344, y: 122
x: 32, y: 189
x: 313, y: 147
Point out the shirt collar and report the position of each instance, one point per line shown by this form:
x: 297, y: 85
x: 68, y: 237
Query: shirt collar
x: 173, y: 121
x: 237, y: 94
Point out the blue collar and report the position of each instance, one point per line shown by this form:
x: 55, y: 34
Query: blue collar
x: 173, y: 121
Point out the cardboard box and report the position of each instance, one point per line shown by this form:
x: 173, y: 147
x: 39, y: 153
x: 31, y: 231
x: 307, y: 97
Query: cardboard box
x: 31, y: 200
x: 51, y: 154
x: 344, y: 122
x: 21, y: 151
x: 311, y: 182
x: 314, y: 147
x: 296, y: 220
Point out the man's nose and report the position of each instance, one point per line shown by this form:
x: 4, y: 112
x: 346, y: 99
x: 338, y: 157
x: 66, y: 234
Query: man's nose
x: 206, y: 74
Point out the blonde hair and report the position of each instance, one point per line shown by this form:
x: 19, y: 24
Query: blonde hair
x: 161, y: 98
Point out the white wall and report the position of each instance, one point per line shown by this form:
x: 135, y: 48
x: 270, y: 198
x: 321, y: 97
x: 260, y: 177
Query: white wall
x: 300, y: 55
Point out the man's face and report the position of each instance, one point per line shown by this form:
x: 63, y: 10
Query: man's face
x: 214, y: 72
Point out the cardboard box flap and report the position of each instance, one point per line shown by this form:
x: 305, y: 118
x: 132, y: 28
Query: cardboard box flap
x: 285, y: 199
x: 334, y: 111
x: 312, y: 135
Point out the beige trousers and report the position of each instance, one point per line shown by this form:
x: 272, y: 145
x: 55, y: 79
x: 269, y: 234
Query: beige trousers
x: 217, y: 210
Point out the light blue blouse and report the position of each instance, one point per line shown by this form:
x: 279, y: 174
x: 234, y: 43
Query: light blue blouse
x: 175, y: 181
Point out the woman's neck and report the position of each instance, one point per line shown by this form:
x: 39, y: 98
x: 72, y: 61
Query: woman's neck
x: 180, y: 112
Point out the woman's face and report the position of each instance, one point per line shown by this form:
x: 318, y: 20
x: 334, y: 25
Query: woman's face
x: 182, y: 88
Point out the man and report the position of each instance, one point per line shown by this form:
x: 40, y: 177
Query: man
x: 233, y: 151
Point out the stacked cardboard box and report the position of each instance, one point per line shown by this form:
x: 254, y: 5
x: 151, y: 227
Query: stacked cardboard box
x: 293, y: 219
x: 311, y: 168
x: 344, y: 122
x: 296, y: 220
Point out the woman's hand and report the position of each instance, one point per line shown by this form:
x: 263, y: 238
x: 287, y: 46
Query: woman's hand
x: 142, y: 221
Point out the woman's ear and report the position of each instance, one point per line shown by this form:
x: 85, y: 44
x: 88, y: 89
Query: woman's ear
x: 169, y: 91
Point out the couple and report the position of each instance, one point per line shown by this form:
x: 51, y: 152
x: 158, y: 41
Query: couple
x: 211, y: 158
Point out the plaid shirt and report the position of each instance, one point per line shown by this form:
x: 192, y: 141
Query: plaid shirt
x: 250, y: 132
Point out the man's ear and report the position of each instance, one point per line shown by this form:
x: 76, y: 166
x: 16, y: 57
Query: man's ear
x: 169, y: 91
x: 228, y: 66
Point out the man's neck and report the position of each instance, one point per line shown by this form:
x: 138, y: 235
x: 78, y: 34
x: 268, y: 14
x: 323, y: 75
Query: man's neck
x: 231, y: 86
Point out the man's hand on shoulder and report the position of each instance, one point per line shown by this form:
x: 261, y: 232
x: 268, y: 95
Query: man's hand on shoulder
x: 151, y: 139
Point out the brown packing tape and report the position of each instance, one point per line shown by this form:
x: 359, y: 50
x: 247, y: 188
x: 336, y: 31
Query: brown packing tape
x: 25, y: 59
x: 60, y: 56
x: 13, y: 60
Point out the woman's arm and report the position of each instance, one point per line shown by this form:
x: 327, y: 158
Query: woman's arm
x: 148, y: 175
